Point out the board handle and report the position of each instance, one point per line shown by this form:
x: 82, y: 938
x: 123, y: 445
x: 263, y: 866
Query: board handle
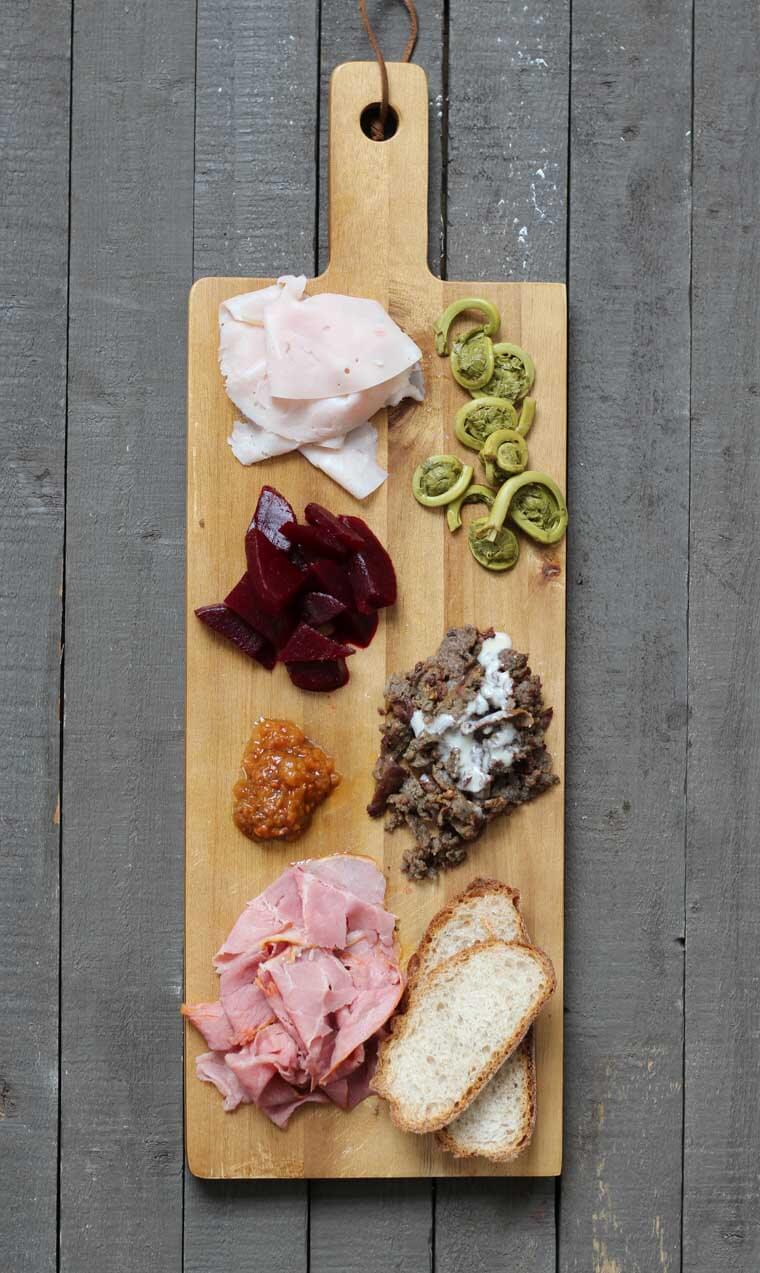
x: 377, y: 189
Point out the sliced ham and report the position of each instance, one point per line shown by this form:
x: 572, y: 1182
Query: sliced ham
x: 211, y: 1067
x: 213, y: 1023
x: 308, y: 978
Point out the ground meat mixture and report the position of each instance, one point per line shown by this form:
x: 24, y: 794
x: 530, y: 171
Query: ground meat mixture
x: 419, y: 779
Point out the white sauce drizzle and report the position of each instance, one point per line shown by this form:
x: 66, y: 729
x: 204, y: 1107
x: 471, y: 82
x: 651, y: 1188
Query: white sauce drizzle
x: 493, y: 745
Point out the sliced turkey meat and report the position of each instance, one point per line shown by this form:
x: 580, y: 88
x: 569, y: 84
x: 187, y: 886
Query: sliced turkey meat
x: 308, y: 373
x: 308, y: 978
x: 328, y: 345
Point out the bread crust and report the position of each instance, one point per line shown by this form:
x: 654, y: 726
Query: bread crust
x: 481, y: 886
x: 448, y: 1142
x: 401, y: 1026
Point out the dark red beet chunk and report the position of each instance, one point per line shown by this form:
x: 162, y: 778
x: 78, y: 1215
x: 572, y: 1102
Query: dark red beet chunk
x: 309, y: 646
x: 332, y: 674
x: 316, y: 515
x: 230, y: 625
x: 320, y: 607
x: 314, y: 539
x: 370, y: 570
x: 272, y: 511
x: 247, y: 603
x: 273, y: 575
x: 333, y: 579
x: 358, y: 629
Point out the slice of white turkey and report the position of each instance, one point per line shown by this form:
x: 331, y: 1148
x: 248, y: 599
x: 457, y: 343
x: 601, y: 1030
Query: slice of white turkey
x: 250, y: 444
x: 349, y: 460
x: 354, y: 466
x: 278, y: 425
x: 321, y: 418
x: 328, y: 345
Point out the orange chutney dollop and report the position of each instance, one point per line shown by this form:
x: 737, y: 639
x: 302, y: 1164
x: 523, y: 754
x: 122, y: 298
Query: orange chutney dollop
x: 285, y: 777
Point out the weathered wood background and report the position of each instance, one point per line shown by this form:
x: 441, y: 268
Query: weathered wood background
x: 612, y: 145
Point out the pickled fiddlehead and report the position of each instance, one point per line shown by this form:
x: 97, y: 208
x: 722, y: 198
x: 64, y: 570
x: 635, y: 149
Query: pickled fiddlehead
x: 440, y: 479
x: 472, y: 359
x: 535, y: 504
x: 441, y: 325
x: 504, y: 453
x: 513, y: 374
x: 476, y: 420
x: 498, y: 553
x: 473, y: 495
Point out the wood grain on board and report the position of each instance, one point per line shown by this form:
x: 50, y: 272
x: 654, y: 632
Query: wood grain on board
x: 34, y: 151
x: 628, y: 553
x: 333, y: 1204
x: 376, y: 254
x: 131, y: 263
x: 722, y: 1054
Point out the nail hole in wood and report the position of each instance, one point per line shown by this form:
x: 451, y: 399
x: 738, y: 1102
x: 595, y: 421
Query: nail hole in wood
x: 370, y: 119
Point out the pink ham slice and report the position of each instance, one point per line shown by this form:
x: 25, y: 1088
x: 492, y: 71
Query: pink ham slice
x: 309, y: 976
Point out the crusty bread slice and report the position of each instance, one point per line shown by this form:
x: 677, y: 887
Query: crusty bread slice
x: 486, y: 909
x: 499, y: 1123
x: 463, y: 1020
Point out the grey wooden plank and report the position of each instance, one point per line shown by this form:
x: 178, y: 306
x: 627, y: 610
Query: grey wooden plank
x: 722, y: 1118
x: 343, y: 39
x: 487, y: 1226
x: 506, y: 176
x: 628, y: 488
x: 255, y: 215
x: 395, y: 1219
x: 237, y: 1226
x: 131, y: 265
x: 363, y: 1225
x: 257, y: 101
x: 34, y: 141
x: 506, y: 189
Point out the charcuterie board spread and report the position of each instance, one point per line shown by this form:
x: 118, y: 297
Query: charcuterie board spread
x: 405, y: 1127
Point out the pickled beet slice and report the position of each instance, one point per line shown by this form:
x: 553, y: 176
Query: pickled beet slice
x: 309, y: 646
x: 319, y: 677
x: 314, y: 539
x: 333, y: 579
x: 320, y: 607
x: 370, y: 571
x: 358, y: 629
x: 246, y: 602
x: 350, y: 538
x: 272, y: 511
x: 360, y: 528
x: 230, y: 625
x: 273, y: 575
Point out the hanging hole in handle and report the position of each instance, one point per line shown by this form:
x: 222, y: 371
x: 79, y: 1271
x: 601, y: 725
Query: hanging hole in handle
x: 370, y: 117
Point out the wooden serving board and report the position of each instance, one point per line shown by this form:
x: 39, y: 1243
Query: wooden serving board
x: 378, y: 238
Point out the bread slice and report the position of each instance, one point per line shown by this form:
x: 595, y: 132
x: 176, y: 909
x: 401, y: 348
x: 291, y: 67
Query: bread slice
x: 486, y: 909
x: 499, y: 1123
x: 463, y: 1020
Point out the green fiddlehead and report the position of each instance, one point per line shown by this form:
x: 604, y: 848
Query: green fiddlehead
x: 476, y: 420
x: 534, y: 503
x: 473, y: 495
x: 440, y: 479
x: 441, y: 325
x: 513, y: 374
